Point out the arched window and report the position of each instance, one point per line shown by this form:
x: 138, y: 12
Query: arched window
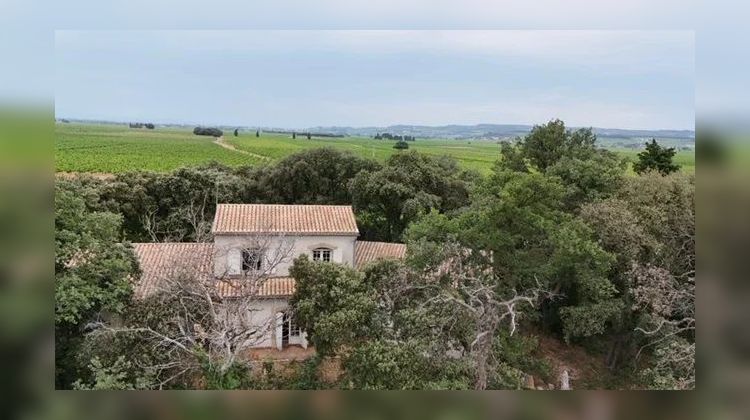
x: 322, y: 254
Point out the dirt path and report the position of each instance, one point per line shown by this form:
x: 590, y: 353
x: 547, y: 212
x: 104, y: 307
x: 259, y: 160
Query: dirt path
x: 220, y: 141
x: 74, y: 175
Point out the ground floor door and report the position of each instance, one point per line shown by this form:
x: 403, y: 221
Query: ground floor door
x: 285, y: 331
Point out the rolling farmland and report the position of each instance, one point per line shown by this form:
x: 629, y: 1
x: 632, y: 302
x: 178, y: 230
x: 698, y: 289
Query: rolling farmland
x: 110, y: 148
x: 113, y: 149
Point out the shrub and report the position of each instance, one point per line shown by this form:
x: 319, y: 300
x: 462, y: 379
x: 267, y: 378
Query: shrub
x: 208, y: 131
x: 401, y: 145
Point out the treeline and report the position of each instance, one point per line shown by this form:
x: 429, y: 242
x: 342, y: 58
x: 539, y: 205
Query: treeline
x: 149, y: 126
x: 309, y: 134
x: 603, y: 259
x: 162, y: 206
x: 388, y: 136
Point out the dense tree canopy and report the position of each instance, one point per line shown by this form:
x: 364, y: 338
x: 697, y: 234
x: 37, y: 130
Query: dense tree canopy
x: 587, y: 172
x: 408, y: 185
x: 317, y: 176
x: 180, y: 206
x: 93, y: 272
x: 519, y: 220
x: 558, y: 240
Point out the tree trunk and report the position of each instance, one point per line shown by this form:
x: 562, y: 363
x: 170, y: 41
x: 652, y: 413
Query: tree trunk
x: 480, y: 383
x: 481, y: 354
x: 614, y: 353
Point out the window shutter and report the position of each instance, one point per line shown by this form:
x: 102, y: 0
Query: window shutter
x: 234, y: 262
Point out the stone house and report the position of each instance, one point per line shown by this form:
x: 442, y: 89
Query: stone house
x: 253, y: 248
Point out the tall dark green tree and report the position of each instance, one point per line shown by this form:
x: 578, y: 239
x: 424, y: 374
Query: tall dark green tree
x: 656, y: 158
x: 546, y: 144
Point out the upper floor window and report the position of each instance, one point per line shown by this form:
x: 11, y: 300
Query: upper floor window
x: 252, y: 260
x: 322, y: 254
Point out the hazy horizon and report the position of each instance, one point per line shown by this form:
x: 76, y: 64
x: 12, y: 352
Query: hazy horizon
x: 631, y: 80
x: 262, y: 126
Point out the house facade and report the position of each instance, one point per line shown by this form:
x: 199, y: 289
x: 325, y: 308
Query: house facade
x: 257, y: 244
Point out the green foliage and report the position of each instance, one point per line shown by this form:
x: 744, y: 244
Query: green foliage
x: 518, y: 352
x: 597, y: 175
x: 318, y: 176
x: 547, y: 144
x: 307, y: 375
x: 180, y: 206
x: 513, y: 158
x: 382, y: 364
x: 586, y: 172
x: 208, y: 131
x: 112, y: 377
x: 409, y: 185
x: 588, y: 319
x: 401, y: 145
x: 237, y: 376
x: 619, y: 231
x: 171, y: 313
x: 665, y: 209
x: 673, y: 368
x: 648, y: 223
x: 519, y: 218
x: 656, y: 158
x: 92, y: 272
x: 332, y: 303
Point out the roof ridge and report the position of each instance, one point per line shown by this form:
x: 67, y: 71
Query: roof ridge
x: 284, y: 205
x: 299, y: 219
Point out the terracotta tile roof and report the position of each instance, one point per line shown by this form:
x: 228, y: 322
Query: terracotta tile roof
x: 270, y: 287
x: 366, y: 252
x: 280, y: 218
x: 160, y: 261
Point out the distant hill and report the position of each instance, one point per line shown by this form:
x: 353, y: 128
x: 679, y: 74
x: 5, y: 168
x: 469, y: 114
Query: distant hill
x: 608, y: 137
x: 495, y: 131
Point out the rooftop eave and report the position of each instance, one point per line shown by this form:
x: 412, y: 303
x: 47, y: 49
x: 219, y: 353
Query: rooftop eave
x: 232, y: 233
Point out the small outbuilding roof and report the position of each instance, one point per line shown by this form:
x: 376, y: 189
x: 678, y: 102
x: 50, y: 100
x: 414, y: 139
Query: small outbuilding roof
x: 284, y: 219
x: 366, y: 252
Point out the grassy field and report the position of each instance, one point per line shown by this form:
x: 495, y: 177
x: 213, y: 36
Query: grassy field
x: 112, y: 149
x: 117, y: 148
